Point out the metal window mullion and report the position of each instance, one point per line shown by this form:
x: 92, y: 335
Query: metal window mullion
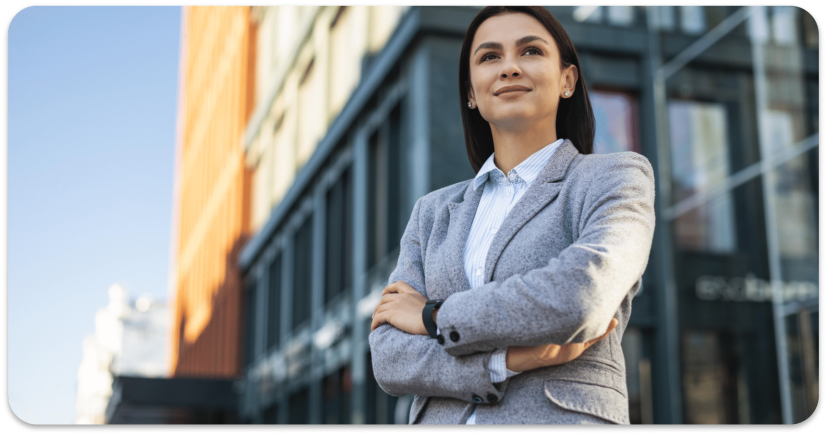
x: 317, y: 276
x: 770, y: 219
x: 703, y: 43
x: 359, y: 332
x: 667, y: 334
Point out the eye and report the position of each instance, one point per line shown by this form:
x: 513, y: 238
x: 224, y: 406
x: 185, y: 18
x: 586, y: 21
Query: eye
x: 535, y: 49
x: 485, y: 57
x: 488, y: 56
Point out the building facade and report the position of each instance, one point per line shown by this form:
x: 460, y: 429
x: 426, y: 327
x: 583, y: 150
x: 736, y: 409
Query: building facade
x: 130, y: 339
x: 722, y: 100
x: 211, y: 203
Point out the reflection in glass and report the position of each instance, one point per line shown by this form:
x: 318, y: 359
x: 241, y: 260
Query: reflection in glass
x: 693, y: 21
x: 784, y: 118
x: 795, y: 203
x: 638, y: 377
x: 709, y: 227
x: 700, y: 161
x: 785, y: 24
x: 621, y: 15
x: 802, y: 352
x: 589, y: 14
x: 666, y: 18
x: 698, y: 140
x: 615, y: 122
x: 712, y: 380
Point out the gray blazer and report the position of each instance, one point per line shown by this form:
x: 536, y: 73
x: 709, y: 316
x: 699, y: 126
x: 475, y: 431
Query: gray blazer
x: 568, y: 257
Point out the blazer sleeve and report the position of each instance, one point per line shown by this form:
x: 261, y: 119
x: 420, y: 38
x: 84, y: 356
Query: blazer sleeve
x: 416, y: 364
x: 573, y: 298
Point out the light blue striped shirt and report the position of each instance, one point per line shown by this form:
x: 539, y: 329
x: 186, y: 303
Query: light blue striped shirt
x: 500, y: 194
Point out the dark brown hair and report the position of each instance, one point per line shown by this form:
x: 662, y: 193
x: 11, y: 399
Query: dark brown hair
x: 575, y: 119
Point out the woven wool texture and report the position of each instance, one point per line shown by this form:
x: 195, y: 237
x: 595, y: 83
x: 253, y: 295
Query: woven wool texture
x: 568, y: 257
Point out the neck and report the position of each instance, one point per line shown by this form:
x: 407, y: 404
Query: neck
x: 513, y: 146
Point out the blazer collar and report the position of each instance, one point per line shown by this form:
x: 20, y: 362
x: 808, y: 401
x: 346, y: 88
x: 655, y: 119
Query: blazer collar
x: 462, y: 210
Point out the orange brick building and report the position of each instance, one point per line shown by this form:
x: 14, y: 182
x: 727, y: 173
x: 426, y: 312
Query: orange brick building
x: 211, y: 204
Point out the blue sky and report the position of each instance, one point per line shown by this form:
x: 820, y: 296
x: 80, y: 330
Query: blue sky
x: 92, y: 95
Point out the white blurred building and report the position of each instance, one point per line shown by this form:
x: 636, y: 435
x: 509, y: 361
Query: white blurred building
x: 131, y: 338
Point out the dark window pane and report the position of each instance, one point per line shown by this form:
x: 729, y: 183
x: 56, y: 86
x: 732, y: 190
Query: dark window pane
x: 271, y: 414
x: 299, y: 412
x: 339, y: 237
x: 333, y: 241
x: 394, y: 181
x: 274, y: 304
x: 249, y: 324
x: 371, y: 389
x: 377, y: 196
x: 302, y: 263
x: 384, y: 189
x: 347, y: 228
x: 330, y: 399
x: 345, y: 391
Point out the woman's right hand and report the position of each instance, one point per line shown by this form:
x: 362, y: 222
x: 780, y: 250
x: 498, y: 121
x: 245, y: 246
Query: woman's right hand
x: 519, y: 359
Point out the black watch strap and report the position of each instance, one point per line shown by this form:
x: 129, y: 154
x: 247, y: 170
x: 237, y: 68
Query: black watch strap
x: 427, y: 317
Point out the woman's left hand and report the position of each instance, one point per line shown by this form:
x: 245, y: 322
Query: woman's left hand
x: 401, y: 306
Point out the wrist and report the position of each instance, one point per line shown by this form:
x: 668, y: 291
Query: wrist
x: 512, y: 359
x: 428, y: 318
x: 519, y: 359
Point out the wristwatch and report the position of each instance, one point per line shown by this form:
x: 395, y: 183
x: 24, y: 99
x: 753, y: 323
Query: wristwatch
x: 427, y: 317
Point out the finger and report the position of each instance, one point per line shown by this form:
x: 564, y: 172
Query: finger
x: 392, y: 288
x: 404, y: 288
x: 385, y: 300
x: 383, y: 309
x: 377, y: 321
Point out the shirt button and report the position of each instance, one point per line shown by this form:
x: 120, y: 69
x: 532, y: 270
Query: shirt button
x: 455, y: 336
x: 476, y: 399
x: 493, y: 231
x: 479, y: 271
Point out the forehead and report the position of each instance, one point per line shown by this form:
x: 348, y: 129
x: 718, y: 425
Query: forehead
x: 507, y: 28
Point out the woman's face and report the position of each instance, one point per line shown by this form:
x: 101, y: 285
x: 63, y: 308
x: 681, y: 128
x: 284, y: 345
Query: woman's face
x: 515, y: 72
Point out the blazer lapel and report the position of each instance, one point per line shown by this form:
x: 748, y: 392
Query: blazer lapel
x: 461, y: 215
x: 544, y: 189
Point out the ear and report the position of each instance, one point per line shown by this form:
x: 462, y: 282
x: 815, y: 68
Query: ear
x: 471, y: 96
x: 568, y: 81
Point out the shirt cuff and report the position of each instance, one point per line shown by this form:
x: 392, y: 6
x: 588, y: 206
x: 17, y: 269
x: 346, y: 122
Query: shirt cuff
x: 496, y: 367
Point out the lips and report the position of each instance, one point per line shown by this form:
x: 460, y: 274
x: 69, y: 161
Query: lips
x: 511, y: 88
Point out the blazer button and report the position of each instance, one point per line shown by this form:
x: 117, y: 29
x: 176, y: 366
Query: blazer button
x: 477, y: 399
x: 440, y: 339
x: 492, y: 398
x: 455, y: 336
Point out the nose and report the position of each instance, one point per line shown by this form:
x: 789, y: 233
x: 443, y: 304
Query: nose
x: 510, y: 68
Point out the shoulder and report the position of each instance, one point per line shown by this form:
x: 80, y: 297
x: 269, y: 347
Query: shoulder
x: 613, y: 168
x: 623, y: 175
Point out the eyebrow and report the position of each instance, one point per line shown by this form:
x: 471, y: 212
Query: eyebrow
x: 522, y: 41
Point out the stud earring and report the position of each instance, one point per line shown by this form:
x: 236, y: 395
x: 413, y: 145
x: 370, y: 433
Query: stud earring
x: 566, y: 94
x: 469, y: 105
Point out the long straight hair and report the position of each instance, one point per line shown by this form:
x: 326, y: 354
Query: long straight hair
x: 575, y: 119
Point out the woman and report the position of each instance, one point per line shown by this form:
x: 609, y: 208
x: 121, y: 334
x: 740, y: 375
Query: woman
x: 536, y: 259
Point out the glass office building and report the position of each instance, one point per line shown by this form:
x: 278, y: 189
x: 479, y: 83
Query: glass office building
x: 724, y: 103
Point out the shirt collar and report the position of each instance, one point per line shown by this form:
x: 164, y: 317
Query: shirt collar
x: 528, y: 170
